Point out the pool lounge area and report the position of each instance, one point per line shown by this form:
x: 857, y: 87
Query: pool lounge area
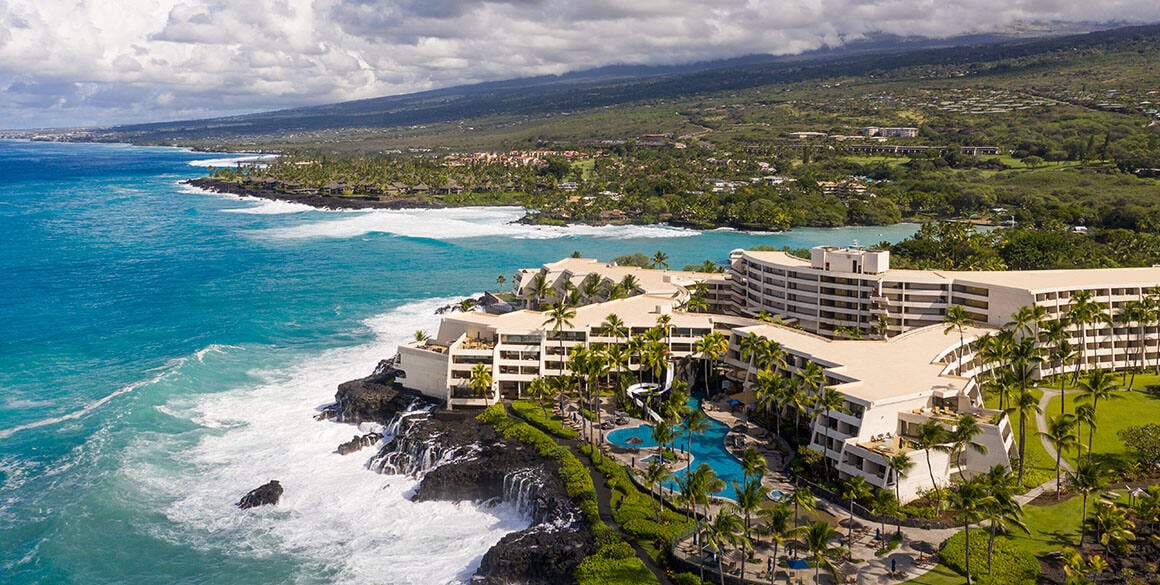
x: 707, y: 447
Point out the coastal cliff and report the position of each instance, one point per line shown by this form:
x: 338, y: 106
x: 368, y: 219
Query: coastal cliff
x: 313, y: 199
x: 459, y: 458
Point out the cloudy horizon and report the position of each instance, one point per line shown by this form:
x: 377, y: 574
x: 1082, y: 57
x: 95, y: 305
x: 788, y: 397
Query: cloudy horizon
x: 106, y: 62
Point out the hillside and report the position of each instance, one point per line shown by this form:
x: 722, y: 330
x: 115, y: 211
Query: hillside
x: 623, y: 102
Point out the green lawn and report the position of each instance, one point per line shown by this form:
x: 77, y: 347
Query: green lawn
x: 1127, y: 409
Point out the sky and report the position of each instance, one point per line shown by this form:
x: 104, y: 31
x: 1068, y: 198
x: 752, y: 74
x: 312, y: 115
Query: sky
x: 67, y: 63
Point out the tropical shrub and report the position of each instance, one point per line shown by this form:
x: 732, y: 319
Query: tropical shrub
x: 1009, y: 564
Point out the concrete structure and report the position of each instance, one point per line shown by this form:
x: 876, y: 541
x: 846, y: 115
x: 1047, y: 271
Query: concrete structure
x: 901, y: 371
x: 840, y: 291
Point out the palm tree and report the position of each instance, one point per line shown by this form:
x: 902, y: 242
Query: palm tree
x: 1062, y: 353
x: 538, y: 390
x: 776, y: 526
x: 614, y: 326
x: 559, y: 317
x: 932, y: 435
x: 499, y: 280
x: 711, y: 346
x: 816, y: 539
x: 660, y: 259
x: 1061, y: 432
x: 750, y: 346
x: 1027, y: 320
x: 481, y: 381
x: 752, y: 464
x: 1113, y: 528
x: 772, y: 390
x: 885, y: 504
x: 803, y: 497
x: 725, y: 530
x: 1025, y: 359
x: 1141, y: 312
x: 963, y: 436
x: 957, y: 317
x: 750, y: 495
x: 1084, y: 310
x: 663, y: 432
x: 856, y: 488
x: 968, y: 500
x: 901, y: 463
x: 1003, y: 512
x: 1100, y: 384
x: 1025, y: 404
x: 665, y: 324
x: 696, y: 423
x: 1087, y: 477
x: 655, y: 475
x: 629, y: 284
x: 1085, y: 414
x: 539, y: 288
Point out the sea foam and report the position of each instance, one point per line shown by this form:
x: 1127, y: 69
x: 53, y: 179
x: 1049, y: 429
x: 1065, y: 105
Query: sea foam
x: 357, y: 525
x: 457, y: 223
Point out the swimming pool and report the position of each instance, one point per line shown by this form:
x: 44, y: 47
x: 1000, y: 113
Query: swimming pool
x: 708, y: 447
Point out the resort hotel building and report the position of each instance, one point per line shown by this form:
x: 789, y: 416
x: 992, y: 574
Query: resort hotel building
x: 877, y: 333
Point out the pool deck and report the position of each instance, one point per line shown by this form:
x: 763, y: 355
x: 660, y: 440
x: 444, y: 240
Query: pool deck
x: 912, y: 558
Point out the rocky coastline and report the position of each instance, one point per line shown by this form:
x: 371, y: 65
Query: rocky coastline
x: 316, y: 200
x: 459, y: 458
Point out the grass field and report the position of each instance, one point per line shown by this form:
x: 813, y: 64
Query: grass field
x: 1124, y: 410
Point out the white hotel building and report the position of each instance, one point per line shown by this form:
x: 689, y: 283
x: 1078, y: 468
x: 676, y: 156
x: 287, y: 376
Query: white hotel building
x: 890, y: 386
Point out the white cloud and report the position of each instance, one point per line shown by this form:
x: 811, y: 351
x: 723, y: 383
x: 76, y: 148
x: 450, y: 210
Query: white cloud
x: 65, y: 63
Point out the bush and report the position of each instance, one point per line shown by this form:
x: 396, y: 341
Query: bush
x: 1009, y: 564
x: 687, y: 579
x: 547, y: 422
x: 599, y: 570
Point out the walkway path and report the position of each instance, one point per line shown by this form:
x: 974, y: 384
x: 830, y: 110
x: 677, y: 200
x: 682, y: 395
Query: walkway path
x: 1041, y: 421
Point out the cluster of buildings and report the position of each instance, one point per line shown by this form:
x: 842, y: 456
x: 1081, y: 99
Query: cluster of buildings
x: 878, y: 334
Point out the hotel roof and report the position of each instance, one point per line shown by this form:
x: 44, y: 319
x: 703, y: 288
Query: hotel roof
x: 879, y: 370
x: 1031, y: 280
x: 636, y: 311
x: 651, y: 281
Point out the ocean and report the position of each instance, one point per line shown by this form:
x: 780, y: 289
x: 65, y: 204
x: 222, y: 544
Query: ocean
x: 164, y: 350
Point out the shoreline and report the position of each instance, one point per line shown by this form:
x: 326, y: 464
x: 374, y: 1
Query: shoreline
x: 327, y: 202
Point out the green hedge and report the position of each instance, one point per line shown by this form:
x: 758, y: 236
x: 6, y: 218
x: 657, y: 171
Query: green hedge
x: 614, y: 560
x: 536, y: 416
x: 1009, y: 565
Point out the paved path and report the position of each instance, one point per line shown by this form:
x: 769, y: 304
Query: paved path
x: 1041, y: 421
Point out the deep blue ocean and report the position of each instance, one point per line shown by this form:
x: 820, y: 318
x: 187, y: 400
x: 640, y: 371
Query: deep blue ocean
x: 164, y: 350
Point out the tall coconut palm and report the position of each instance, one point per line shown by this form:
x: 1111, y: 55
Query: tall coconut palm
x: 962, y: 437
x: 539, y: 289
x: 750, y: 347
x: 817, y: 539
x: 751, y: 494
x: 772, y: 389
x: 629, y: 284
x: 1002, y: 512
x: 776, y: 525
x: 481, y: 381
x: 1062, y: 353
x: 1061, y: 432
x: 901, y: 463
x: 659, y: 260
x: 663, y: 432
x: 1085, y: 414
x: 614, y: 327
x: 1026, y: 320
x: 655, y: 475
x: 696, y: 423
x: 855, y: 488
x: 1025, y: 360
x: 1083, y: 312
x: 1026, y: 404
x: 968, y: 500
x: 711, y: 346
x: 1099, y: 385
x: 559, y: 317
x: 752, y: 464
x: 1087, y: 477
x: 723, y: 531
x: 958, y: 318
x: 1140, y: 312
x: 932, y: 436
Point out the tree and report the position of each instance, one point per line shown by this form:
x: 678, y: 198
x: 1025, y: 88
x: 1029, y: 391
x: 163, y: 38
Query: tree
x: 1144, y: 442
x: 958, y: 318
x: 968, y: 500
x: 963, y: 436
x: 772, y: 390
x: 1061, y: 432
x: 539, y: 289
x: 1087, y: 477
x: 1113, y: 528
x: 696, y: 423
x: 1099, y: 385
x: 751, y: 494
x: 856, y: 488
x: 932, y: 435
x: 663, y: 432
x: 559, y: 317
x: 752, y: 464
x: 1085, y: 414
x: 711, y: 346
x: 481, y: 381
x: 776, y: 526
x: 901, y: 463
x: 1026, y: 404
x: 725, y: 530
x: 1084, y: 311
x: 1002, y: 512
x: 816, y: 540
x: 655, y: 475
x: 499, y: 280
x: 421, y: 336
x: 660, y: 259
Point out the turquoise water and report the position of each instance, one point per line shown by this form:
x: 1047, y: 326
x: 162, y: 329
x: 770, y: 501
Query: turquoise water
x: 707, y: 447
x: 164, y: 351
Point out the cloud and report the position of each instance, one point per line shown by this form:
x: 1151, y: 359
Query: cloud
x: 95, y: 61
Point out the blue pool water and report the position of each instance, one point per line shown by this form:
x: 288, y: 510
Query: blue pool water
x: 707, y: 447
